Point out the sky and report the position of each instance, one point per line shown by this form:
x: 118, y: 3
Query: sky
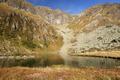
x: 70, y: 6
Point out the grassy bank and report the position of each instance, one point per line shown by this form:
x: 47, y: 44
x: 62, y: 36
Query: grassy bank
x: 58, y: 73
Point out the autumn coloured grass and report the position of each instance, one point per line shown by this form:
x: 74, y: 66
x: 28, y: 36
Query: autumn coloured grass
x: 111, y: 54
x: 58, y: 73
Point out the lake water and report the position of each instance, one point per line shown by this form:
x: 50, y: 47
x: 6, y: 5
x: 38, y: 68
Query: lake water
x: 98, y: 62
x: 72, y: 61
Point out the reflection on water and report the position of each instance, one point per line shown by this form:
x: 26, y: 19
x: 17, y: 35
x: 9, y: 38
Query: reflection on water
x: 31, y: 61
x: 98, y: 62
x: 72, y: 61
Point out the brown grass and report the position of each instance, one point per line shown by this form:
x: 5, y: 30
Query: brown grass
x: 112, y: 54
x: 4, y: 9
x: 59, y: 73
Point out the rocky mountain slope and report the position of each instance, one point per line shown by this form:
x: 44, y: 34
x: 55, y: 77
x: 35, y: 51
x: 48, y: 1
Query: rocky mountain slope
x: 56, y: 17
x: 20, y: 4
x: 97, y: 29
x: 22, y: 32
x: 96, y: 16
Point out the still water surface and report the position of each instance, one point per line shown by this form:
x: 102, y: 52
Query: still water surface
x: 99, y: 62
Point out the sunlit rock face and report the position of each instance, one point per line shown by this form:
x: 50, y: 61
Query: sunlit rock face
x: 55, y: 17
x: 97, y: 29
x: 102, y: 38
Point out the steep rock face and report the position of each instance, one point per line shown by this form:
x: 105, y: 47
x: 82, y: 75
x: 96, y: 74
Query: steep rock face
x: 54, y: 16
x: 97, y: 29
x: 20, y: 30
